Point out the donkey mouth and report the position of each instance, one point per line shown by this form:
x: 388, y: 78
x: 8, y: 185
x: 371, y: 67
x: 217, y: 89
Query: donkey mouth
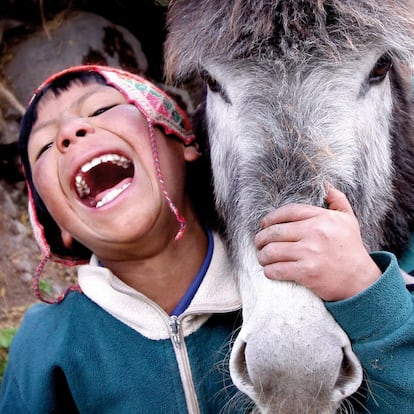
x: 103, y: 178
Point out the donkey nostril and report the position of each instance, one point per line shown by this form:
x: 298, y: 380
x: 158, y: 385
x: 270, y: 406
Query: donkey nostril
x: 239, y: 369
x: 65, y: 143
x: 241, y: 359
x: 81, y: 133
x: 346, y: 372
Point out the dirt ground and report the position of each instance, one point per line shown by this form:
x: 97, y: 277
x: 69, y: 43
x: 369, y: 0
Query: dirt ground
x: 19, y: 258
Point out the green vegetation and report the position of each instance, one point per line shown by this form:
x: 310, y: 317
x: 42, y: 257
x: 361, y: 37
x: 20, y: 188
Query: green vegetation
x: 7, y: 333
x: 6, y: 336
x: 46, y: 286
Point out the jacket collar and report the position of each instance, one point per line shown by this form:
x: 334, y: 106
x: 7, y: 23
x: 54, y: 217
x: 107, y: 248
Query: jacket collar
x: 218, y: 293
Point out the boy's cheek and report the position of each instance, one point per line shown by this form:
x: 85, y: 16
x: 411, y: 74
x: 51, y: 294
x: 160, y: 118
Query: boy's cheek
x: 126, y: 119
x: 40, y: 177
x: 46, y: 183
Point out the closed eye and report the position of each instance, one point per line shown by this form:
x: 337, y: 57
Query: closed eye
x: 215, y: 86
x: 102, y: 110
x: 43, y: 149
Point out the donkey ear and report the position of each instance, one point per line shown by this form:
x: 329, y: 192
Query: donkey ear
x: 192, y: 152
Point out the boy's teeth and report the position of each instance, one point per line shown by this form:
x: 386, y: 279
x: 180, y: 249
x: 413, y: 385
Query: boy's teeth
x: 111, y: 195
x: 81, y: 187
x: 114, y: 158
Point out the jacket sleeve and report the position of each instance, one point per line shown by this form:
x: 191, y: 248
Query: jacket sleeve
x: 380, y: 325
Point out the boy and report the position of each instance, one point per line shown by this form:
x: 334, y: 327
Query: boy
x: 106, y: 157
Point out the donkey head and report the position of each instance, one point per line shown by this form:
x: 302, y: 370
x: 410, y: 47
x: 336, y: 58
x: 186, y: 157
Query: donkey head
x: 300, y: 94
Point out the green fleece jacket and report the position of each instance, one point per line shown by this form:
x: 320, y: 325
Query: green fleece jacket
x: 110, y: 350
x: 75, y: 357
x: 380, y: 325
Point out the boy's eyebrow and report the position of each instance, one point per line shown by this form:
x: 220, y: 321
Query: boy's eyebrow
x: 77, y: 103
x: 41, y: 126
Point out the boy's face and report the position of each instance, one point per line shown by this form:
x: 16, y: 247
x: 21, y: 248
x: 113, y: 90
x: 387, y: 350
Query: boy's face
x: 93, y: 167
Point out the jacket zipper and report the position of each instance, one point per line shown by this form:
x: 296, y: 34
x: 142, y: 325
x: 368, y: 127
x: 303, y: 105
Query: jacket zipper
x: 183, y: 365
x: 174, y: 324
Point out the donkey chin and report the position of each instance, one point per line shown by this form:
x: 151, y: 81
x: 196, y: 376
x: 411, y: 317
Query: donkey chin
x: 290, y: 356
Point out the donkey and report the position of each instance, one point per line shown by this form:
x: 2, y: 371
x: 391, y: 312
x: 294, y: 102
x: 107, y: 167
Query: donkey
x: 300, y: 93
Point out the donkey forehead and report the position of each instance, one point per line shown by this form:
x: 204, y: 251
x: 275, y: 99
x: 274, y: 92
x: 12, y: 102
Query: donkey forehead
x: 273, y: 81
x: 292, y: 31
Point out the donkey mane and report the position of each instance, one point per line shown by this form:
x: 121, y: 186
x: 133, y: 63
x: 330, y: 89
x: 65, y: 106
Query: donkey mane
x: 300, y: 29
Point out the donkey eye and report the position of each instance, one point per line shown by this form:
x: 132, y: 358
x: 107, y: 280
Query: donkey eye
x: 380, y: 70
x: 214, y: 86
x: 211, y: 82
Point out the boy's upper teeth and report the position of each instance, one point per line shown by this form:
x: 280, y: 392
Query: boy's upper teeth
x: 114, y: 158
x: 81, y: 185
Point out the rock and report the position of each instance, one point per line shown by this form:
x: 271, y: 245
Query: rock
x: 25, y: 267
x: 75, y: 38
x: 26, y: 277
x: 17, y: 229
x: 7, y: 205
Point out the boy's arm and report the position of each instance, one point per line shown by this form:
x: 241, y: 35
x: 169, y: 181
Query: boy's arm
x: 380, y: 324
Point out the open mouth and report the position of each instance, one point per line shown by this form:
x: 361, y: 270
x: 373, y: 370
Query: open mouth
x: 103, y: 178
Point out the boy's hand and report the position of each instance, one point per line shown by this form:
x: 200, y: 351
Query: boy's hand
x: 319, y: 248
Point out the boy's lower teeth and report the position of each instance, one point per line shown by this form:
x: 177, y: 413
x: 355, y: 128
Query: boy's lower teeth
x: 112, y: 194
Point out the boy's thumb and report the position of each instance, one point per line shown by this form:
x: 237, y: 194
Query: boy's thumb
x: 337, y: 200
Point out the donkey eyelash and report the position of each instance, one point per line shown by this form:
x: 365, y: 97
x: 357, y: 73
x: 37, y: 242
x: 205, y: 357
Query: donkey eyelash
x: 214, y: 86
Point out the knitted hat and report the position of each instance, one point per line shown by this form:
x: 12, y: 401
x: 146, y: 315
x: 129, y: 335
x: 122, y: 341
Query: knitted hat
x: 158, y: 108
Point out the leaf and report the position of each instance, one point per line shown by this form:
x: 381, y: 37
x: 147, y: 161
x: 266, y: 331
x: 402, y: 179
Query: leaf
x: 45, y: 286
x: 6, y: 336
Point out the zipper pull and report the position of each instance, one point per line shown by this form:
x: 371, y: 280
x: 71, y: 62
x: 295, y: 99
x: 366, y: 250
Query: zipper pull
x: 174, y: 324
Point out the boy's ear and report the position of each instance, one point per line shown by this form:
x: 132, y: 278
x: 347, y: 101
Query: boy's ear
x: 192, y: 152
x: 67, y: 239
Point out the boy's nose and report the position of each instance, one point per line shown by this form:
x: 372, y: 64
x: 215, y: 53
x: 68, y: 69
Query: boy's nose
x: 71, y: 131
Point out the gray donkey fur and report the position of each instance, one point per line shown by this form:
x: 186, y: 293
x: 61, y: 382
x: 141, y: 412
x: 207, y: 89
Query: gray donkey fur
x: 303, y: 93
x: 249, y: 35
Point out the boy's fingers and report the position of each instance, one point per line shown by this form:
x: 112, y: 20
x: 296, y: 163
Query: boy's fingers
x: 288, y: 213
x: 284, y: 232
x: 282, y: 271
x: 335, y: 199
